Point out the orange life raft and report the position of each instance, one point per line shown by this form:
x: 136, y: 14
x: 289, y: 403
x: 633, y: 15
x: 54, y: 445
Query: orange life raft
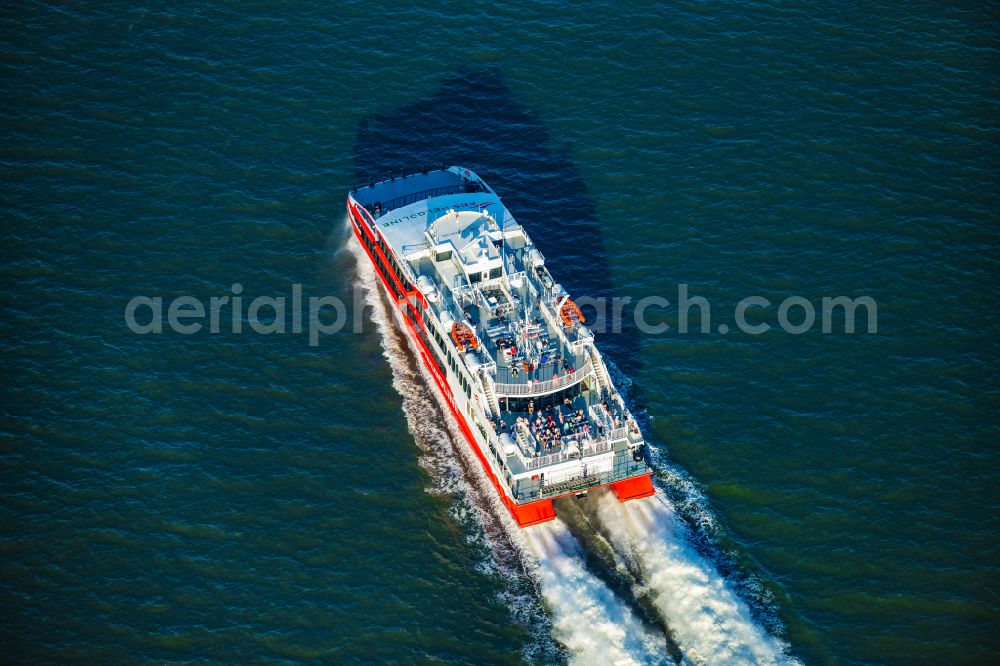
x: 571, y: 314
x: 463, y: 337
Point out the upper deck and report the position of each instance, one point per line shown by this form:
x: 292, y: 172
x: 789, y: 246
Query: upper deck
x: 535, y: 373
x: 388, y: 195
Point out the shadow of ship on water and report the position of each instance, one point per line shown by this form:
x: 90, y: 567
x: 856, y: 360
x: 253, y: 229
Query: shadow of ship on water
x: 474, y: 120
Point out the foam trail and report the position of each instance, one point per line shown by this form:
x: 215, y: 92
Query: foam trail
x: 587, y: 617
x: 710, y: 622
x: 595, y: 626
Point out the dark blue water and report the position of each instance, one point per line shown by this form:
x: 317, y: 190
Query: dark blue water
x: 242, y: 497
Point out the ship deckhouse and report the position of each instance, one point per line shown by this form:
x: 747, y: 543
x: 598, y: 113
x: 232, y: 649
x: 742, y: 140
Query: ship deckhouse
x: 506, y: 346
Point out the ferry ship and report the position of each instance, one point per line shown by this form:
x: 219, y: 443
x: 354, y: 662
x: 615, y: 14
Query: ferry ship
x: 508, y: 349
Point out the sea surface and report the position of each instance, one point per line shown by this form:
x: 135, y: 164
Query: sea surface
x: 238, y: 498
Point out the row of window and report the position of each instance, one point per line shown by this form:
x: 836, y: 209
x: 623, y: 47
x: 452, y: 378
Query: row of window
x: 416, y: 308
x: 422, y: 330
x: 496, y: 454
x: 455, y: 366
x: 478, y: 277
x: 392, y: 268
x: 435, y: 356
x: 500, y: 459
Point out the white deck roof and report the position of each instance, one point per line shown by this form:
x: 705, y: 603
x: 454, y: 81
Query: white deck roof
x: 405, y: 226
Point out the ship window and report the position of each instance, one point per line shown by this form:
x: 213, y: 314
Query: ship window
x: 444, y: 256
x: 475, y: 277
x: 495, y: 273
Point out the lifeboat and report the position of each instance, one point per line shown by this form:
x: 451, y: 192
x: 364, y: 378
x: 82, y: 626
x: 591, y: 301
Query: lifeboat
x: 571, y: 314
x: 463, y: 337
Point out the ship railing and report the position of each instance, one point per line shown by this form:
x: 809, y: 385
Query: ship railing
x: 407, y: 271
x: 547, y: 310
x: 570, y: 451
x: 525, y: 444
x: 535, y: 387
x: 490, y: 283
x: 410, y: 248
x: 575, y: 481
x: 390, y: 205
x: 509, y: 224
x: 552, y: 349
x: 494, y: 441
x: 552, y: 459
x: 600, y: 416
x: 443, y: 290
x: 548, y: 307
x: 618, y: 433
x: 593, y: 447
x: 516, y: 275
x: 519, y: 451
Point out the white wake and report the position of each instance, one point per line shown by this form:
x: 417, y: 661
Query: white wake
x: 586, y: 617
x: 710, y: 623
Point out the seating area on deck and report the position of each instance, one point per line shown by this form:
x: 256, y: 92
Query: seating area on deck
x: 560, y: 424
x: 526, y: 351
x: 526, y: 347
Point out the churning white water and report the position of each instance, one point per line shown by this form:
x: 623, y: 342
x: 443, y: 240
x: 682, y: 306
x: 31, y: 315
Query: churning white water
x: 596, y: 626
x: 586, y: 617
x: 710, y: 623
